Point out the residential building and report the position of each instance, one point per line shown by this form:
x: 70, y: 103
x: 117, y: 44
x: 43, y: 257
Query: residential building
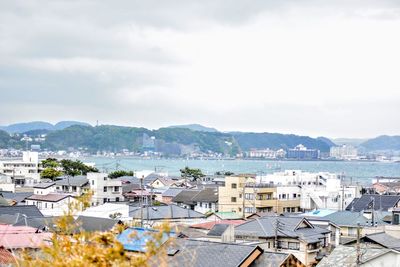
x: 206, y: 200
x: 320, y: 190
x: 185, y: 198
x: 344, y: 152
x: 18, y: 238
x: 44, y: 188
x: 50, y: 201
x: 294, y: 235
x: 6, y: 183
x: 104, y: 188
x: 169, y: 194
x: 74, y: 185
x: 24, y: 171
x: 301, y: 152
x: 242, y: 195
x: 378, y: 240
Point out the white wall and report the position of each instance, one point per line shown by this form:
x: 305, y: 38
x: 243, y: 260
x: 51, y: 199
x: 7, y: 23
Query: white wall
x: 98, y: 182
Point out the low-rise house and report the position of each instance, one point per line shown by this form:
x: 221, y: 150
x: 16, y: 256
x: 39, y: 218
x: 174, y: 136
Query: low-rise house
x: 169, y: 194
x: 44, y: 188
x: 206, y: 200
x: 140, y: 195
x: 378, y: 240
x: 162, y: 182
x: 185, y: 198
x: 95, y: 224
x: 22, y: 237
x: 24, y: 210
x: 76, y: 185
x: 50, y: 201
x: 18, y: 198
x: 294, y: 235
x: 118, y: 211
x: 346, y: 256
x: 6, y: 183
x: 104, y: 188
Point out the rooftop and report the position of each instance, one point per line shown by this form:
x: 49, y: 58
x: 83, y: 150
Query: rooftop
x: 49, y: 197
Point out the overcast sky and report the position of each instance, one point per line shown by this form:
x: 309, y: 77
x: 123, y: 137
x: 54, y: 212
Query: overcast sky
x: 328, y: 68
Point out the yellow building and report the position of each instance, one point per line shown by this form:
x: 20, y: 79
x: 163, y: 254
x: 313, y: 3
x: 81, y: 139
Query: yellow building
x: 241, y: 194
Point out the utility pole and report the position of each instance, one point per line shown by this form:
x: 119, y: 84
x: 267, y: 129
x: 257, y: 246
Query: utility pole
x: 358, y: 245
x: 243, y: 197
x: 141, y: 201
x: 277, y: 225
x: 373, y: 212
x: 343, y: 192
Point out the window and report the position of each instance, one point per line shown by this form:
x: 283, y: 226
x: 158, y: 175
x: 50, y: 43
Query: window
x: 104, y: 200
x: 282, y: 244
x: 45, y: 205
x: 73, y: 188
x: 105, y: 189
x: 233, y: 199
x: 205, y: 205
x: 92, y: 182
x: 209, y: 205
x: 117, y: 199
x: 294, y: 245
x: 201, y: 204
x: 116, y: 189
x: 249, y: 196
x: 234, y: 186
x: 294, y: 195
x: 52, y: 205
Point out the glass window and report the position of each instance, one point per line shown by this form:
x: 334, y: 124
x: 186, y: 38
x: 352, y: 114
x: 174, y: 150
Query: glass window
x: 105, y: 189
x: 233, y: 199
x: 234, y: 186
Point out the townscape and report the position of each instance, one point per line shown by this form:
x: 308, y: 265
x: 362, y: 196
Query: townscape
x: 286, y: 218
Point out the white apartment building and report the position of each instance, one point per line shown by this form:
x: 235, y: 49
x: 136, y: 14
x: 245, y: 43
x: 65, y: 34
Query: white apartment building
x: 345, y: 152
x: 104, y: 189
x: 6, y: 184
x: 316, y: 190
x: 267, y: 153
x: 25, y: 171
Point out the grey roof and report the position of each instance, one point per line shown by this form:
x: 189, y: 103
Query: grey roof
x: 271, y: 259
x: 264, y: 227
x: 27, y: 210
x: 351, y: 218
x: 384, y: 240
x: 347, y: 256
x: 44, y: 185
x: 171, y: 192
x: 18, y: 197
x: 164, y: 212
x: 186, y: 196
x: 218, y: 229
x: 73, y: 181
x: 207, y: 195
x: 92, y: 224
x: 129, y: 187
x: 381, y: 202
x: 196, y: 253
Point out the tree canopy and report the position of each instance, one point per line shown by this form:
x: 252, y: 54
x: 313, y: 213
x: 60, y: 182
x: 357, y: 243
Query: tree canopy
x: 191, y: 173
x: 120, y: 173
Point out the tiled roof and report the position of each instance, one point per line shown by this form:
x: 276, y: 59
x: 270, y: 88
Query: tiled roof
x: 73, y: 181
x: 196, y: 253
x: 18, y: 196
x: 49, y: 197
x: 27, y: 210
x: 218, y: 229
x: 44, y: 185
x: 351, y: 218
x: 171, y: 192
x: 271, y: 259
x: 164, y: 213
x: 347, y: 256
x: 92, y: 224
x: 207, y: 195
x: 381, y: 202
x: 186, y: 196
x: 384, y: 240
x: 6, y: 257
x: 15, y: 237
x: 264, y: 227
x: 209, y: 225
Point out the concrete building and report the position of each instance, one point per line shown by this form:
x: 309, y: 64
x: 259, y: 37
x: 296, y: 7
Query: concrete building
x: 24, y: 171
x: 267, y: 153
x: 104, y: 189
x: 344, y: 152
x: 242, y: 195
x: 320, y: 190
x: 302, y: 152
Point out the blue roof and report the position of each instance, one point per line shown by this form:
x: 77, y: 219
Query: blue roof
x: 136, y: 238
x: 318, y: 213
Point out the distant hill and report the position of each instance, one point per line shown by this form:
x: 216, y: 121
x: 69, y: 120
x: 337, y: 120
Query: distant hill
x: 349, y: 141
x: 327, y: 141
x: 277, y: 141
x: 383, y: 142
x: 195, y: 127
x: 39, y: 125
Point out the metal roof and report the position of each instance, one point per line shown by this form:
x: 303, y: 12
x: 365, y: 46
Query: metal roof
x: 381, y: 202
x: 164, y: 212
x: 27, y: 210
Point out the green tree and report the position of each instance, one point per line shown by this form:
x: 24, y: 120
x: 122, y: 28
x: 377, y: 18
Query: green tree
x: 50, y: 163
x: 77, y: 167
x: 120, y: 173
x: 192, y: 174
x: 50, y: 173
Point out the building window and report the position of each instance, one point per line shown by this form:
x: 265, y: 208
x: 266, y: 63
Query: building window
x: 117, y: 199
x: 45, y: 205
x: 209, y: 205
x: 282, y: 244
x: 52, y: 205
x: 205, y: 205
x: 116, y: 189
x: 249, y: 196
x: 233, y: 199
x: 92, y: 182
x: 105, y: 189
x: 73, y: 188
x: 234, y: 186
x: 294, y: 245
x: 104, y: 200
x: 201, y: 204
